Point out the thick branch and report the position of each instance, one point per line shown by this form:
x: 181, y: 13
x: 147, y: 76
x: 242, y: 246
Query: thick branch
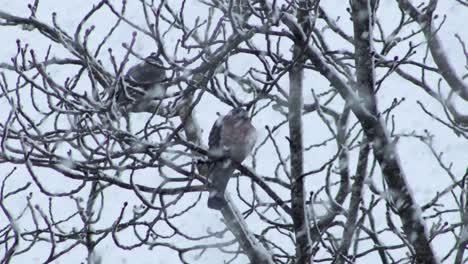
x: 384, y: 150
x: 299, y: 215
x: 438, y: 53
x: 356, y: 198
x: 363, y: 53
x: 235, y: 221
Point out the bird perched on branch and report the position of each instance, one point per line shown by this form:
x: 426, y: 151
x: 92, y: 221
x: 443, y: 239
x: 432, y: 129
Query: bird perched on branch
x: 231, y: 140
x: 143, y: 84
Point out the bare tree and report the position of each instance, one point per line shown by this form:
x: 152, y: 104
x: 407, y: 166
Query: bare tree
x: 82, y: 169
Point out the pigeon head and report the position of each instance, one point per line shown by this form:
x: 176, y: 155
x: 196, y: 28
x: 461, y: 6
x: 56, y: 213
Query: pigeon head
x: 239, y: 112
x: 154, y: 60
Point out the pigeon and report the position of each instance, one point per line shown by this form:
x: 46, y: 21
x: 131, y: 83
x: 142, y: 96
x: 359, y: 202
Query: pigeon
x: 231, y: 140
x: 143, y: 83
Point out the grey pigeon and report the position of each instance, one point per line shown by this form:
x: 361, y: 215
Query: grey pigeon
x: 231, y: 140
x: 143, y: 84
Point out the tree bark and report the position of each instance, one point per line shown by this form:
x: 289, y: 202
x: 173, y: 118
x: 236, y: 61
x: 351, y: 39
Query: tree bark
x: 384, y: 150
x: 299, y: 214
x: 355, y: 202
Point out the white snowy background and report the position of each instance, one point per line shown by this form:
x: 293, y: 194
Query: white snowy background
x: 424, y: 174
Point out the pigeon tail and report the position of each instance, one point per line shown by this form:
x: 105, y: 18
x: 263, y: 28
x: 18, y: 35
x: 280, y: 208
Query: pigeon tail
x: 216, y: 201
x: 219, y: 174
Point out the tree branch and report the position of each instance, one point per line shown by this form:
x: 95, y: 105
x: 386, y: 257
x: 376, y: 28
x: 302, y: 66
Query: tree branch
x: 384, y: 150
x: 299, y: 214
x: 438, y: 53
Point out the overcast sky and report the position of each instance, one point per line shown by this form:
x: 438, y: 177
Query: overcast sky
x: 424, y: 174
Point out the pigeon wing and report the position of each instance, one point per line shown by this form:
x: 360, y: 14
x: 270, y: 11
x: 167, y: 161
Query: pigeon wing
x: 214, y: 139
x: 145, y: 74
